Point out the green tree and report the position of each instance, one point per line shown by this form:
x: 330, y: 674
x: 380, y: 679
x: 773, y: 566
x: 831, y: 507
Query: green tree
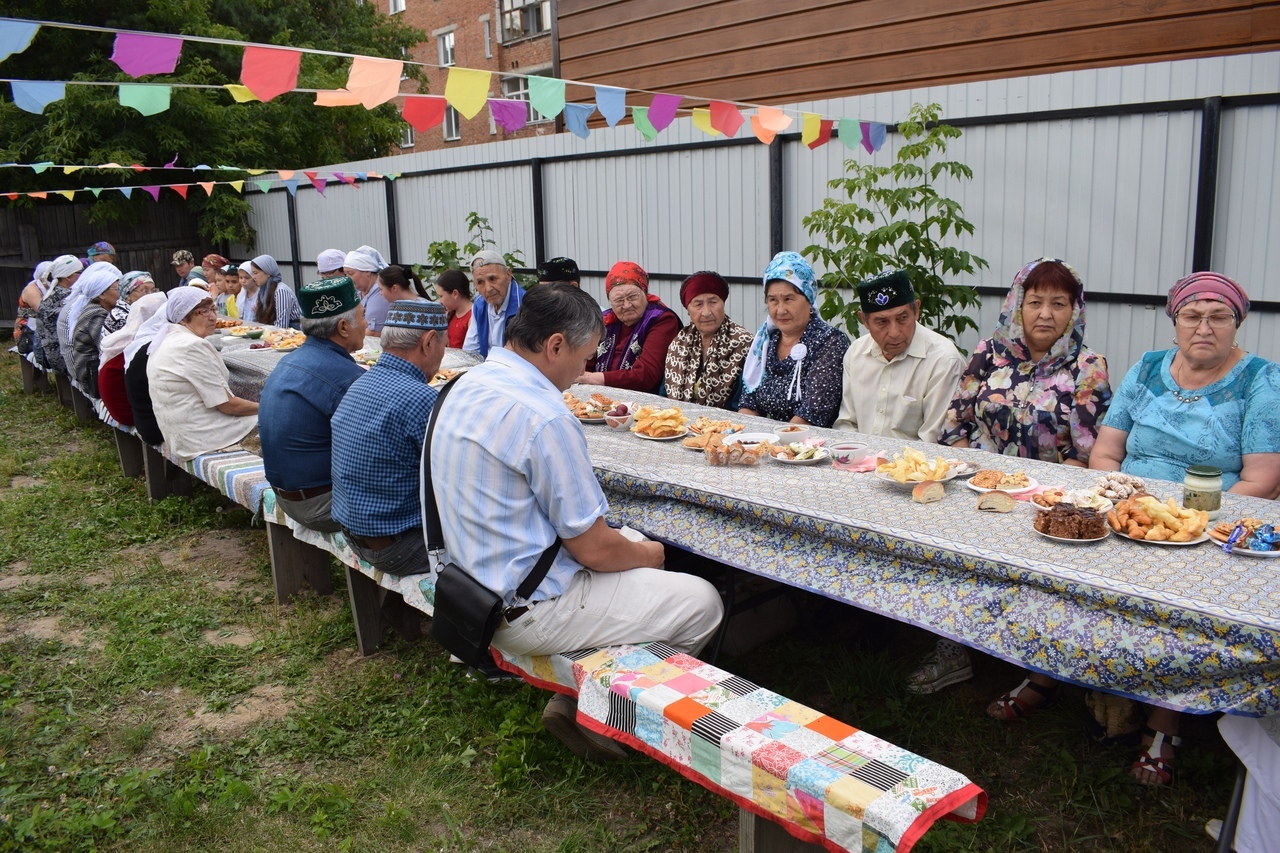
x: 893, y: 217
x: 200, y: 126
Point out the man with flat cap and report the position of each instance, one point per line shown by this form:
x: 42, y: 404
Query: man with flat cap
x: 562, y: 270
x: 183, y: 263
x: 300, y: 397
x: 378, y: 431
x: 899, y: 377
x: 363, y: 265
x: 502, y: 296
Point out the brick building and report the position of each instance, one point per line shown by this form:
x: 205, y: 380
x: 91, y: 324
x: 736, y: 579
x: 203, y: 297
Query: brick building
x: 502, y: 36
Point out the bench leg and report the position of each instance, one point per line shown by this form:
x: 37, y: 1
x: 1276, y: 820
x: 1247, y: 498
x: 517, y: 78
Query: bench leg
x: 82, y: 407
x: 375, y: 609
x: 64, y: 389
x: 293, y: 562
x: 129, y: 449
x: 758, y: 835
x: 162, y: 476
x: 28, y: 376
x: 42, y: 381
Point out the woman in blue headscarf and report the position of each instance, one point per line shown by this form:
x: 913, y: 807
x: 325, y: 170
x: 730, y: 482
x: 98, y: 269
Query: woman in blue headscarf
x: 795, y: 369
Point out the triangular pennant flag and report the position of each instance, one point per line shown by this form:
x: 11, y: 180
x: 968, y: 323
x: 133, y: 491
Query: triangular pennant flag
x: 262, y: 185
x: 201, y: 168
x: 374, y: 81
x: 467, y: 90
x: 762, y: 133
x: 269, y: 71
x: 773, y: 119
x: 34, y: 95
x: 662, y: 111
x: 127, y: 192
x: 111, y: 166
x: 873, y: 134
x: 11, y: 196
x: 71, y: 170
x: 291, y: 184
x: 824, y: 134
x: 96, y: 191
x: 546, y: 94
x: 362, y: 176
x: 612, y: 103
x: 391, y: 176
x: 285, y: 174
x: 508, y: 114
x: 702, y: 121
x: 256, y: 171
x: 180, y: 189
x: 850, y: 134
x: 240, y: 94
x: 640, y: 115
x: 172, y: 163
x: 154, y: 192
x: 207, y: 186
x: 40, y: 167
x: 39, y: 195
x: 423, y: 112
x: 346, y: 179
x: 139, y: 55
x: 810, y: 126
x: 373, y: 175
x: 69, y: 195
x: 340, y: 176
x: 138, y: 167
x: 575, y: 119
x: 15, y: 37
x: 337, y: 98
x: 146, y: 98
x: 725, y: 117
x: 238, y: 186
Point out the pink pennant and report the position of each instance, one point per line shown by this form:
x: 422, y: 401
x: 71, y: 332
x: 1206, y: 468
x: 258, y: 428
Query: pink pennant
x: 139, y: 55
x: 154, y: 192
x: 725, y: 117
x: 138, y: 167
x: 374, y: 80
x: 269, y: 71
x: 764, y: 134
x: 510, y: 115
x: 38, y: 195
x: 180, y: 189
x: 423, y: 112
x: 662, y: 111
x: 172, y: 162
x: 285, y: 174
x: 207, y: 186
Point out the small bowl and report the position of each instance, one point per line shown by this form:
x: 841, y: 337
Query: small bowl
x: 791, y: 433
x: 619, y: 421
x: 849, y: 452
x: 254, y: 334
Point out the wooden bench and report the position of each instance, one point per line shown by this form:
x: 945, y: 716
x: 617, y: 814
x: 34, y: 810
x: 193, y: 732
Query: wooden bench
x: 33, y: 376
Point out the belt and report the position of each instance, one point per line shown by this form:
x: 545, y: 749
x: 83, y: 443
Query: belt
x: 374, y: 543
x: 303, y: 494
x: 514, y: 613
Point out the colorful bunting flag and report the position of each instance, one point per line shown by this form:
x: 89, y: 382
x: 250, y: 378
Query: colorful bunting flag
x: 873, y: 134
x: 702, y: 121
x: 127, y: 192
x: 262, y: 185
x: 269, y: 71
x: 15, y: 37
x: 71, y: 170
x: 662, y: 111
x: 11, y: 196
x: 725, y: 117
x: 337, y: 98
x: 423, y: 112
x: 824, y: 134
x: 238, y: 186
x: 256, y: 171
x: 146, y: 98
x: 207, y: 186
x: 96, y: 191
x: 172, y: 163
x: 316, y: 181
x: 240, y: 94
x: 546, y: 94
x: 291, y: 184
x: 575, y: 119
x: 154, y: 192
x: 467, y: 90
x: 139, y: 55
x: 510, y: 115
x: 181, y: 189
x: 810, y: 125
x: 850, y: 134
x: 612, y: 103
x: 39, y: 195
x: 768, y: 122
x: 39, y: 168
x: 640, y: 115
x: 69, y: 195
x: 374, y: 81
x: 285, y: 174
x: 34, y: 95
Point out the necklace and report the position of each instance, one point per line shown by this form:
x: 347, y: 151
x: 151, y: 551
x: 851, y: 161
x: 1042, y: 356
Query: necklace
x: 1181, y: 399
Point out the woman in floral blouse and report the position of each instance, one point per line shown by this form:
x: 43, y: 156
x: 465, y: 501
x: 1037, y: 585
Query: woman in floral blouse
x: 1033, y: 389
x: 704, y: 364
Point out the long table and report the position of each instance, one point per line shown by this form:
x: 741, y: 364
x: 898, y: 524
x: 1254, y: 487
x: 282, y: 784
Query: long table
x: 1190, y: 628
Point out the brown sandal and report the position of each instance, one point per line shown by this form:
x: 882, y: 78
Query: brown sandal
x: 1013, y: 705
x: 1152, y: 760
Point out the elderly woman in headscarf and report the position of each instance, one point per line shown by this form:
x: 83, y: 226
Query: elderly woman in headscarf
x: 111, y: 367
x: 24, y: 329
x: 134, y: 285
x: 136, y: 388
x: 704, y: 364
x: 638, y: 330
x: 100, y: 290
x: 795, y: 368
x: 275, y: 304
x: 1034, y: 389
x: 63, y: 274
x: 189, y: 384
x: 363, y: 265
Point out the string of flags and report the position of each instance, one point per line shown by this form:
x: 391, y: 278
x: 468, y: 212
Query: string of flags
x: 289, y: 178
x: 268, y: 71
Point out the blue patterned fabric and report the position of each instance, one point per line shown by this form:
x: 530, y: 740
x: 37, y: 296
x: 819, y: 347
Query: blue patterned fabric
x: 821, y: 377
x: 1238, y: 414
x: 378, y: 430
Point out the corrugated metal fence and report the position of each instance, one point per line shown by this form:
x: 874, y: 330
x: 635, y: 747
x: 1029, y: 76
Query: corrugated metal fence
x: 1101, y: 168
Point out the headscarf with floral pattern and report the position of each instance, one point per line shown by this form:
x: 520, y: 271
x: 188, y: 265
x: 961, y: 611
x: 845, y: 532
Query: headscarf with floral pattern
x: 1010, y: 338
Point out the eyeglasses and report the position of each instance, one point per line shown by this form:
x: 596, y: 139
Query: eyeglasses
x: 1215, y: 321
x: 623, y: 301
x: 211, y: 310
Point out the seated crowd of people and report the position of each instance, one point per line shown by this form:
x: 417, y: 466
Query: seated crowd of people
x: 342, y: 446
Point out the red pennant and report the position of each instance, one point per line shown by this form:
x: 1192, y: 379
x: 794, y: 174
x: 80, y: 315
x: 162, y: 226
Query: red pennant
x: 11, y: 196
x: 180, y: 189
x: 423, y: 112
x: 316, y: 181
x: 725, y: 117
x: 824, y: 134
x: 269, y: 71
x: 138, y: 168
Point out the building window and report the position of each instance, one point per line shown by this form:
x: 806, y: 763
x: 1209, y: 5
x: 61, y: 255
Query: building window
x: 517, y: 89
x: 445, y: 43
x: 524, y: 18
x: 396, y: 6
x: 406, y: 138
x: 451, y: 130
x: 488, y: 39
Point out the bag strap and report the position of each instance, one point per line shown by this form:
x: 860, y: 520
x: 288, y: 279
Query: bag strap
x: 431, y: 510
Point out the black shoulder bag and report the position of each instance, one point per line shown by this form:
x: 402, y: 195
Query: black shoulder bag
x: 466, y: 612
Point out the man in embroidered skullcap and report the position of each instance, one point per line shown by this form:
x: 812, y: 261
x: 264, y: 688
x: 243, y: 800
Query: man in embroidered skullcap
x: 183, y: 263
x: 300, y: 397
x: 330, y: 262
x: 899, y: 378
x: 378, y: 430
x: 564, y: 270
x: 363, y: 265
x: 502, y: 296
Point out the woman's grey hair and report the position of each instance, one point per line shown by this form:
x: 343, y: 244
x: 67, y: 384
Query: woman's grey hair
x: 401, y: 338
x: 555, y: 308
x: 325, y: 327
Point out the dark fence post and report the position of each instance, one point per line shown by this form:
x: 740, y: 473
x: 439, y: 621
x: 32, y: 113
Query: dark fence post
x: 539, y: 214
x: 393, y: 222
x: 1207, y: 184
x: 775, y: 197
x: 294, y: 249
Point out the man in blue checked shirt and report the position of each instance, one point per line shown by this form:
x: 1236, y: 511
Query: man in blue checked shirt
x: 378, y: 430
x: 511, y: 472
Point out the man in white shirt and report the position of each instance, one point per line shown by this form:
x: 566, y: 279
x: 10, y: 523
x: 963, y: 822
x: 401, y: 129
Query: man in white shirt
x: 502, y: 296
x: 899, y: 377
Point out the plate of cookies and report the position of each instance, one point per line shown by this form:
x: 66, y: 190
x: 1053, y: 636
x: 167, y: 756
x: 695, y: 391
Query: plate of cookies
x: 989, y: 480
x: 1055, y: 495
x: 1145, y: 519
x: 1071, y: 524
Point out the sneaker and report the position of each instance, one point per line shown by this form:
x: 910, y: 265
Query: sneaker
x: 560, y: 718
x: 491, y: 672
x: 1213, y: 828
x: 946, y: 665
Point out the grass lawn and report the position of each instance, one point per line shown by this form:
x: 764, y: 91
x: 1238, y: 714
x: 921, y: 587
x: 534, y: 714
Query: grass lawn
x: 154, y: 697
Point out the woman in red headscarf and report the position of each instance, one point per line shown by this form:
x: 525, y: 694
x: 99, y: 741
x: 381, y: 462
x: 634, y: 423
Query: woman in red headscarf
x: 704, y: 364
x: 638, y: 330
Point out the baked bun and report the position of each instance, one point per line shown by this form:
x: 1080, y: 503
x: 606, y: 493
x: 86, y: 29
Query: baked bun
x: 996, y: 502
x: 928, y: 492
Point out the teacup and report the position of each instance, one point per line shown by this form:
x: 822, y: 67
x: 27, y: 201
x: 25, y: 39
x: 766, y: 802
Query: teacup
x: 849, y: 452
x: 791, y: 433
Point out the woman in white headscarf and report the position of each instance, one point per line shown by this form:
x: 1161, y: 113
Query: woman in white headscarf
x: 276, y: 305
x: 100, y: 290
x: 63, y: 274
x: 111, y: 388
x: 24, y: 331
x: 247, y: 299
x: 136, y: 389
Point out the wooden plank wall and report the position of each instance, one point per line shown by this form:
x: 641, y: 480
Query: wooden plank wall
x: 766, y: 51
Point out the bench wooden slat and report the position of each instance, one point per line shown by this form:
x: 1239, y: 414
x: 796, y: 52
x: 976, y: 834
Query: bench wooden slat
x: 293, y: 562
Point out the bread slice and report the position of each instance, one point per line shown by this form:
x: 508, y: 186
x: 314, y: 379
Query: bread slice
x: 996, y: 502
x: 928, y: 492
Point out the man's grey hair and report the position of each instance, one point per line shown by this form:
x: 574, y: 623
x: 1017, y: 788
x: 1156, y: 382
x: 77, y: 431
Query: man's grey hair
x: 326, y: 327
x: 402, y: 338
x: 555, y: 308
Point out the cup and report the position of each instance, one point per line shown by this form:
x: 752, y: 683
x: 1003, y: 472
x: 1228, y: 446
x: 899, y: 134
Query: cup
x: 849, y: 452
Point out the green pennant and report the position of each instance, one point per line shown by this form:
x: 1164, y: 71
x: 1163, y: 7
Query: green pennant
x: 262, y: 185
x: 640, y: 115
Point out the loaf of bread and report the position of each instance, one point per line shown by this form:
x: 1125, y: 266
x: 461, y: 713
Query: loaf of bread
x: 928, y: 492
x: 996, y: 502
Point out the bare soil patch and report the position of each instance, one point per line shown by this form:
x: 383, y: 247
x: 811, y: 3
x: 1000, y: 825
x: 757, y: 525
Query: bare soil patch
x: 15, y: 580
x: 229, y: 637
x: 226, y: 555
x: 24, y: 482
x: 46, y: 628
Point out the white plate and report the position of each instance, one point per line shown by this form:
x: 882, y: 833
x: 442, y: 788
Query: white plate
x: 911, y: 484
x: 1260, y: 555
x: 752, y: 438
x: 283, y: 349
x: 681, y: 434
x: 1203, y: 537
x: 1074, y: 541
x: 1031, y: 484
x: 823, y: 455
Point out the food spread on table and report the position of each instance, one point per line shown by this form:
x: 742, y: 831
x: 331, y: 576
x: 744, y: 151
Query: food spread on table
x: 443, y: 376
x: 1067, y: 521
x: 653, y: 422
x: 243, y: 331
x: 703, y: 424
x: 591, y: 409
x: 996, y: 501
x: 1246, y: 535
x: 799, y: 451
x: 989, y: 479
x: 1084, y: 498
x: 912, y: 466
x: 929, y: 491
x: 1145, y: 518
x: 735, y: 453
x: 703, y: 441
x: 284, y: 338
x: 1116, y: 486
x: 226, y: 323
x: 367, y: 357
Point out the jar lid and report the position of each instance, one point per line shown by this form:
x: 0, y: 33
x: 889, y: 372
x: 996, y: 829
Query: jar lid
x: 1204, y: 471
